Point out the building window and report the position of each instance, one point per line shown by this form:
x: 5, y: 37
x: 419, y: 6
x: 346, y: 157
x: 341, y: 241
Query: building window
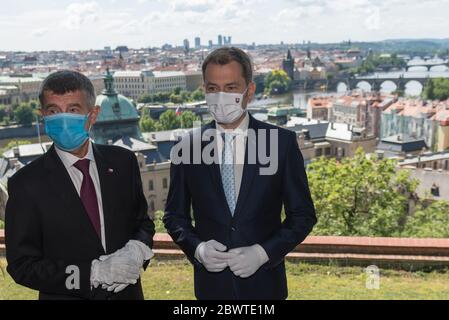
x: 164, y: 183
x: 327, y: 151
x: 152, y: 205
x: 151, y: 185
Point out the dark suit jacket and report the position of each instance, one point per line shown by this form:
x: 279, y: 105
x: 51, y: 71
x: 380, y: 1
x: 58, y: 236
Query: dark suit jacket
x: 47, y: 228
x: 257, y: 217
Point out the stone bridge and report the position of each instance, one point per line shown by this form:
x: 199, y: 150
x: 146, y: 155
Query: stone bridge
x: 374, y: 81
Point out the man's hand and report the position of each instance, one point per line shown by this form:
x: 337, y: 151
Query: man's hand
x: 134, y: 253
x: 114, y: 269
x: 247, y: 260
x: 212, y: 255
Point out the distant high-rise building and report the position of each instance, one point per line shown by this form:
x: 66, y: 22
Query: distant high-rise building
x: 220, y: 40
x: 197, y: 42
x: 211, y: 44
x: 186, y: 45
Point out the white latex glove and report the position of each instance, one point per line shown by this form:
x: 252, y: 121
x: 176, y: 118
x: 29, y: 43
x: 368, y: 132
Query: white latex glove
x: 212, y: 255
x: 247, y: 260
x: 114, y: 269
x: 136, y: 252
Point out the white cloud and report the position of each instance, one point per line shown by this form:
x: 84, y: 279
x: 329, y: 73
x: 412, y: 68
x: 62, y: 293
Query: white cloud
x: 372, y: 20
x: 39, y: 32
x: 80, y: 13
x: 45, y: 24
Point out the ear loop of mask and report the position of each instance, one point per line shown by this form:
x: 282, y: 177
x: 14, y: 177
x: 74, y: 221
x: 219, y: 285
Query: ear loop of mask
x: 90, y: 126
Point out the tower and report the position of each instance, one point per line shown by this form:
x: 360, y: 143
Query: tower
x: 288, y: 65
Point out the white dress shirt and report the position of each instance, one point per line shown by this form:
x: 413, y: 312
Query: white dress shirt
x: 239, y: 149
x: 76, y: 175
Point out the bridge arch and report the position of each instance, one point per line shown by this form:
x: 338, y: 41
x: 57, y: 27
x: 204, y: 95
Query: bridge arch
x: 414, y: 87
x: 364, y: 85
x: 388, y: 86
x: 417, y: 68
x: 342, y: 86
x: 439, y: 68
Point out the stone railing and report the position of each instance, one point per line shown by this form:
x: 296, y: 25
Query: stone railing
x: 409, y: 253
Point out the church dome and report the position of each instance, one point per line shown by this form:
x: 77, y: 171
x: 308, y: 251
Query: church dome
x: 114, y: 106
x: 118, y: 117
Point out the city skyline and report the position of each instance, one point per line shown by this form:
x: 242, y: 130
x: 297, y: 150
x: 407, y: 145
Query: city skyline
x: 83, y: 25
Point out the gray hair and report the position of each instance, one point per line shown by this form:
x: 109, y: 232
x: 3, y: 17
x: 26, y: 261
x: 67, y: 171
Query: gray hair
x: 61, y: 82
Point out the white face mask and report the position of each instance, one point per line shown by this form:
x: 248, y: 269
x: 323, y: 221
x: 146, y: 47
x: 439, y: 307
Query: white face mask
x: 225, y: 107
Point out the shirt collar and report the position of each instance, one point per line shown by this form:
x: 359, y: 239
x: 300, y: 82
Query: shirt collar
x: 241, y: 129
x: 69, y: 159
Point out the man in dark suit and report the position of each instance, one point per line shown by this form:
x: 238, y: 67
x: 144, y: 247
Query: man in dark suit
x: 76, y: 219
x: 238, y: 242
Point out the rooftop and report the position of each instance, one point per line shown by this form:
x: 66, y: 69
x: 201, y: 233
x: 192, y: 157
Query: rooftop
x: 426, y: 157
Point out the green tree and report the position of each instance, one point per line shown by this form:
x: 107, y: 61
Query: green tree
x: 374, y: 61
x: 441, y: 88
x: 188, y: 118
x: 198, y: 95
x: 145, y: 98
x: 176, y: 98
x: 3, y: 112
x: 277, y: 82
x: 161, y: 97
x: 428, y: 92
x: 24, y: 114
x: 147, y: 124
x: 429, y: 221
x: 169, y: 120
x: 359, y: 196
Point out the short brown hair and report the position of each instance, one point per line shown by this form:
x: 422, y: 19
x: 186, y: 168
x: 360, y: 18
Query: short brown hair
x: 226, y: 55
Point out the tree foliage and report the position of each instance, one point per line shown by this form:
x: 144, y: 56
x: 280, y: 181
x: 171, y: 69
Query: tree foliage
x: 168, y: 120
x: 436, y: 89
x: 177, y: 96
x: 277, y: 82
x: 430, y: 221
x: 359, y: 196
x: 24, y: 114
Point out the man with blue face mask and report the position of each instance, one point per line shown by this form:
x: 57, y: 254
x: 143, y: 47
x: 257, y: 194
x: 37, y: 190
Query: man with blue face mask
x: 76, y: 222
x: 238, y: 241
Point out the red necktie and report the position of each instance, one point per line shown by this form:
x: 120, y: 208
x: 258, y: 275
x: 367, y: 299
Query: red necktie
x: 88, y: 195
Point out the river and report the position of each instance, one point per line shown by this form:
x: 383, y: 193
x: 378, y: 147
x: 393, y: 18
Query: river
x: 299, y: 98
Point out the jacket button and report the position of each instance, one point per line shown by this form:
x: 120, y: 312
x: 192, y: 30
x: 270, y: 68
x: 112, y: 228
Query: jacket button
x: 233, y: 228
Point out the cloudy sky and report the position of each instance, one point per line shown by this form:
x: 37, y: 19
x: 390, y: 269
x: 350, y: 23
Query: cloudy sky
x: 91, y: 24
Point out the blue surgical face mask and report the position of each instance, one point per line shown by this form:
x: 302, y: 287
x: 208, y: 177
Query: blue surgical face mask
x: 67, y: 130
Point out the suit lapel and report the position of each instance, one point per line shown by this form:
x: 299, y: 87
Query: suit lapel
x: 108, y: 184
x: 64, y: 190
x: 214, y: 170
x: 249, y: 170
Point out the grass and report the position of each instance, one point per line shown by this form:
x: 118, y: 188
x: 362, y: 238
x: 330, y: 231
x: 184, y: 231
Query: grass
x: 173, y: 279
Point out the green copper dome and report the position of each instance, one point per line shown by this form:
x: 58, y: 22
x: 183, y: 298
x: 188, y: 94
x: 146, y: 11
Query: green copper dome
x: 114, y: 106
x: 118, y: 118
